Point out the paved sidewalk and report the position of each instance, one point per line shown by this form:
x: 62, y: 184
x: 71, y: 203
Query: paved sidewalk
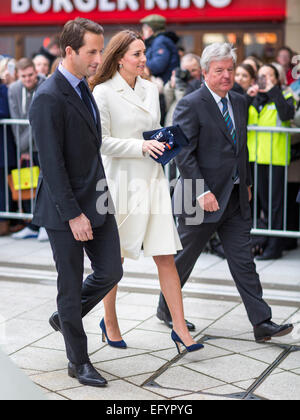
x: 210, y: 278
x: 232, y: 365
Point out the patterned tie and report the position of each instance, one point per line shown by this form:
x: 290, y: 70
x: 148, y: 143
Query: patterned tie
x: 85, y: 94
x: 228, y: 120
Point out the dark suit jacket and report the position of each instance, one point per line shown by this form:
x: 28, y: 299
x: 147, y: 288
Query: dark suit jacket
x: 11, y: 147
x: 68, y: 143
x: 211, y: 155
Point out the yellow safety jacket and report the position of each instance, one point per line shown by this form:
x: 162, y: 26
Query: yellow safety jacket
x: 281, y: 147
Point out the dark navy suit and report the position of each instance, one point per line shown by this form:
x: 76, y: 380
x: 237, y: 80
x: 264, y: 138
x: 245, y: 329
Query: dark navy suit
x: 68, y: 140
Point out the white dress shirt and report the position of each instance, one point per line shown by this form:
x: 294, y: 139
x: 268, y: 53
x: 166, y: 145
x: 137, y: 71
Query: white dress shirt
x: 218, y: 100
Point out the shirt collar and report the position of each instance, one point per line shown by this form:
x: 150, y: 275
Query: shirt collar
x: 73, y: 80
x: 216, y: 97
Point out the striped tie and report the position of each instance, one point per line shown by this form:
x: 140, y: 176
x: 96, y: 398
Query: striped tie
x: 228, y: 120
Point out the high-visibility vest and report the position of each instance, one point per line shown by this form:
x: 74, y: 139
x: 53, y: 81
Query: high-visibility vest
x: 259, y: 144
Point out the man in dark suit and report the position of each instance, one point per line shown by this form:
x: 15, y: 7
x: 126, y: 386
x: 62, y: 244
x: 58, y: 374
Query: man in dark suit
x: 72, y: 186
x: 215, y: 121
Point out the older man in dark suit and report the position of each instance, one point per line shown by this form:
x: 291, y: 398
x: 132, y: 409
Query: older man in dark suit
x: 67, y: 131
x: 215, y: 121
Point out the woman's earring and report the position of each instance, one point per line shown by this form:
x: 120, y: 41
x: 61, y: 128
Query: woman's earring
x: 120, y: 66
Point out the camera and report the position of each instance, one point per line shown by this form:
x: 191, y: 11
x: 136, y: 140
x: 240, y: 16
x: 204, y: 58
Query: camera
x: 182, y: 78
x: 183, y: 75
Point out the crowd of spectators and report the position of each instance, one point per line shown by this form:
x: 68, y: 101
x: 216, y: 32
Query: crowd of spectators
x: 272, y: 92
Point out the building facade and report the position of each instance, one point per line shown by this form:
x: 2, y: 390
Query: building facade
x: 257, y: 27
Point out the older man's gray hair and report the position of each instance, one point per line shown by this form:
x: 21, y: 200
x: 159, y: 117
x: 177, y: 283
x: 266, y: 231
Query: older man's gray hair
x: 217, y: 52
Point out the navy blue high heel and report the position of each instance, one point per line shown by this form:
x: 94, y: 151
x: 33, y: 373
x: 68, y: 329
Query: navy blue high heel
x: 118, y: 344
x: 177, y: 340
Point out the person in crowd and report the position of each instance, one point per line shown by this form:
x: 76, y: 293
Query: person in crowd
x: 42, y: 64
x: 20, y: 96
x: 245, y: 77
x: 181, y: 51
x: 162, y: 54
x: 254, y: 62
x: 67, y: 130
x: 55, y: 65
x: 176, y: 88
x: 135, y: 178
x: 50, y: 49
x: 284, y: 58
x: 8, y: 72
x: 215, y: 122
x: 11, y: 158
x: 160, y: 85
x: 271, y: 107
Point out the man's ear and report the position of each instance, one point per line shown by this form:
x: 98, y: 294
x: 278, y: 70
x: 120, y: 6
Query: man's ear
x: 69, y: 50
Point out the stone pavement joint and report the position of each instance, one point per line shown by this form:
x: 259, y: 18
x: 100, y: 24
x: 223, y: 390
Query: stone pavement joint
x: 249, y: 394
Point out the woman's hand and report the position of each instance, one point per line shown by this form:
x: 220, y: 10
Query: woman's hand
x: 154, y: 148
x: 253, y: 91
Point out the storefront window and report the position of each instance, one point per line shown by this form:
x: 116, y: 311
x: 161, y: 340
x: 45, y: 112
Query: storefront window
x: 261, y: 45
x: 7, y: 46
x: 187, y: 42
x: 219, y: 37
x: 33, y: 45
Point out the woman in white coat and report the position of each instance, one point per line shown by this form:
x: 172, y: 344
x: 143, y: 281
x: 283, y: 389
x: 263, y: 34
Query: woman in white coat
x: 129, y: 105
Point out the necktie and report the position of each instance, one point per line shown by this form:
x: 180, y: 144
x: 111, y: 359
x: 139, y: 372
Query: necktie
x: 228, y: 120
x: 85, y: 94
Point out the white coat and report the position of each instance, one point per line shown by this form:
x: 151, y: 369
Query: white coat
x: 137, y: 183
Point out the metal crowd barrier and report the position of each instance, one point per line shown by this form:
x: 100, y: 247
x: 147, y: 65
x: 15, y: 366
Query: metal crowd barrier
x: 171, y: 172
x: 284, y: 233
x: 19, y: 214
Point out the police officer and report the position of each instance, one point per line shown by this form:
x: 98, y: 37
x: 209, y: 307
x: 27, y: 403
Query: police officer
x: 162, y: 54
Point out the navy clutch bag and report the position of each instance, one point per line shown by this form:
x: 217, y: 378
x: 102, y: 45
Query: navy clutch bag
x: 174, y: 138
x: 298, y: 197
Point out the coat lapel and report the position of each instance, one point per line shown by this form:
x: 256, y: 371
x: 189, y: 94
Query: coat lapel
x: 215, y: 111
x: 135, y: 96
x: 74, y: 100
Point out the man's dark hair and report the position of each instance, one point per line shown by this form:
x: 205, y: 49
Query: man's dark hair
x: 74, y: 31
x: 288, y: 49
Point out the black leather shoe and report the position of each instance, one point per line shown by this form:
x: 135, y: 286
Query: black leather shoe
x: 169, y: 323
x: 86, y: 375
x: 54, y: 322
x: 268, y: 330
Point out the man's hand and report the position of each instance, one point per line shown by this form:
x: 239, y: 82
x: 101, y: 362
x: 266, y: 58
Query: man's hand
x: 81, y: 228
x: 208, y: 202
x: 250, y: 193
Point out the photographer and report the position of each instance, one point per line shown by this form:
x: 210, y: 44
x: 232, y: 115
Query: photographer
x: 176, y: 88
x: 271, y: 107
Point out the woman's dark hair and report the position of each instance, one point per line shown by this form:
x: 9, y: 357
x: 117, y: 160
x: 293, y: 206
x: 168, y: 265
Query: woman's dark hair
x: 114, y: 52
x: 249, y: 69
x: 74, y: 32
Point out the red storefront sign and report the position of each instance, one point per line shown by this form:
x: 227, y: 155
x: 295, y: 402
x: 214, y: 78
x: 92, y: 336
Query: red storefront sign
x: 55, y: 12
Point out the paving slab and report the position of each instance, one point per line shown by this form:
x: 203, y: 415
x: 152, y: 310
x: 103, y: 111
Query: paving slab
x: 282, y: 386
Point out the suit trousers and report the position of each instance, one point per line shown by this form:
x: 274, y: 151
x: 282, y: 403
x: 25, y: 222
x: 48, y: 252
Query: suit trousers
x: 77, y: 298
x: 234, y: 233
